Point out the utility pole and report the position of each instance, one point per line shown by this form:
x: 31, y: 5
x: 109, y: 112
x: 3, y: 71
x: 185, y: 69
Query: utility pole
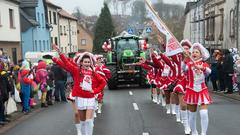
x: 70, y: 38
x: 237, y: 25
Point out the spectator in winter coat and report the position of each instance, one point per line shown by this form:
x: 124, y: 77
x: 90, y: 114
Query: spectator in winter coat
x: 228, y: 71
x: 214, y: 73
x: 5, y: 88
x: 219, y: 59
x: 237, y: 71
x: 60, y: 77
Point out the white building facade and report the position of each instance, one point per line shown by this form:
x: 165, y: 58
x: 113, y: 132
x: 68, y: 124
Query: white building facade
x: 10, y: 39
x: 68, y: 32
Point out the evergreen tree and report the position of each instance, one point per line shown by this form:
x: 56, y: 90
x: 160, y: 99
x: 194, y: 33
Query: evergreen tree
x: 104, y: 29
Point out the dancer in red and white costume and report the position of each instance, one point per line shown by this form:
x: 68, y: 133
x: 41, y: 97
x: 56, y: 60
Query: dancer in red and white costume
x: 87, y: 83
x: 180, y: 88
x: 196, y: 89
x: 151, y: 77
x: 60, y: 63
x: 102, y: 70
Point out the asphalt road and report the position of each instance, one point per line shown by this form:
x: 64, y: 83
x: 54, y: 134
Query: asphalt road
x: 131, y: 113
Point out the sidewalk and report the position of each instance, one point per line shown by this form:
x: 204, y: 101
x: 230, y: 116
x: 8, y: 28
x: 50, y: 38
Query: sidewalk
x: 18, y: 116
x: 234, y: 96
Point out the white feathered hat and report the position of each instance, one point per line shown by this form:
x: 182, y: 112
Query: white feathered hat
x: 92, y: 60
x: 205, y: 53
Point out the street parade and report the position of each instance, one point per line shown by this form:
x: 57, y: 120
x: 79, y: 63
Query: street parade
x: 159, y: 69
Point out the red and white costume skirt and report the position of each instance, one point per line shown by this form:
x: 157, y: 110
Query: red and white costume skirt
x: 197, y: 98
x: 180, y: 86
x: 164, y: 83
x: 85, y: 103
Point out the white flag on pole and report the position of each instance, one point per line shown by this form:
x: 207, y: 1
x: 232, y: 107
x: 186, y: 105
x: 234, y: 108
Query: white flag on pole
x: 173, y: 47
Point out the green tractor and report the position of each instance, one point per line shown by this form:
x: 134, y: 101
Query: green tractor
x: 121, y: 61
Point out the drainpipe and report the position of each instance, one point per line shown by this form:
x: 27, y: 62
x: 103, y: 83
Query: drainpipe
x: 237, y: 39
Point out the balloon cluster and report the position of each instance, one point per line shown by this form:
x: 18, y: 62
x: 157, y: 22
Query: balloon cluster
x: 144, y: 44
x: 107, y: 46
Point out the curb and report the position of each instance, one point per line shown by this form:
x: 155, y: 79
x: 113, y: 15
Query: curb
x: 18, y: 117
x: 233, y: 96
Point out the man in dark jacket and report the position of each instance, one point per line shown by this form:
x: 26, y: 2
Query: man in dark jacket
x: 60, y: 77
x: 5, y: 88
x: 228, y: 71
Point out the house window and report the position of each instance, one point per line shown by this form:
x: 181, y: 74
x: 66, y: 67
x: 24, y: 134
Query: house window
x: 65, y: 49
x: 50, y: 17
x: 83, y: 42
x: 61, y: 33
x: 40, y: 45
x: 0, y: 20
x: 42, y: 21
x: 232, y: 24
x: 64, y: 28
x: 211, y: 26
x: 222, y: 24
x: 54, y: 18
x: 55, y: 41
x: 14, y: 55
x: 48, y: 46
x: 44, y: 45
x: 38, y: 19
x: 11, y: 18
x: 35, y: 45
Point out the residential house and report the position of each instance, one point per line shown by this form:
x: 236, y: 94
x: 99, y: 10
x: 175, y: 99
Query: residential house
x: 35, y: 29
x: 10, y: 39
x: 85, y: 38
x: 68, y: 32
x: 53, y: 20
x: 220, y: 23
x: 194, y: 24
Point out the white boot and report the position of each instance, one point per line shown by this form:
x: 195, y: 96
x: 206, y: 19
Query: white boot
x: 154, y: 98
x: 204, y: 121
x: 168, y: 108
x: 89, y: 127
x: 173, y: 108
x: 78, y: 127
x: 192, y: 119
x: 178, y: 117
x: 163, y: 102
x: 99, y: 108
x: 159, y: 99
x: 185, y: 120
x: 83, y: 127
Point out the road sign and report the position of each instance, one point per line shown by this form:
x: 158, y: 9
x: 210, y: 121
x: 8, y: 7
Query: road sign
x: 130, y: 30
x: 148, y: 29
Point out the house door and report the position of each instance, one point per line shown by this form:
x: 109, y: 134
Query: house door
x: 14, y: 55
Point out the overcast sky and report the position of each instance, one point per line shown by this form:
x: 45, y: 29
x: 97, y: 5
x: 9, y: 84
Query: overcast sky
x: 93, y: 7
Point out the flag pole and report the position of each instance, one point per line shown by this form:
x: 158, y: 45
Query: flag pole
x: 159, y: 19
x: 154, y: 12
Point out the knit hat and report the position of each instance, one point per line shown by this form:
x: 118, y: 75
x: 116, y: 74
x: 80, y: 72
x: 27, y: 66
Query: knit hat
x: 24, y: 72
x: 203, y: 50
x: 42, y: 65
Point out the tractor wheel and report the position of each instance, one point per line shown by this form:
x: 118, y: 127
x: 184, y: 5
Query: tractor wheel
x: 143, y: 81
x: 112, y: 82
